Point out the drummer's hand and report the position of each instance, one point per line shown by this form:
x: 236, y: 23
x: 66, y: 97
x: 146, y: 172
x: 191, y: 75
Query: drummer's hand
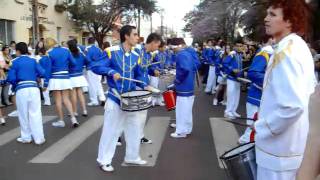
x: 236, y: 71
x: 152, y: 89
x: 156, y: 73
x: 116, y: 76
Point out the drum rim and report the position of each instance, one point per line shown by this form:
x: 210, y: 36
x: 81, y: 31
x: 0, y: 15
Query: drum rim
x: 136, y: 110
x: 230, y: 157
x: 149, y: 93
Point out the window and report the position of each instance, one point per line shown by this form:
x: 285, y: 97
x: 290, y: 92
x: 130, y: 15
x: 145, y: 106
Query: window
x: 59, y: 35
x: 6, y: 31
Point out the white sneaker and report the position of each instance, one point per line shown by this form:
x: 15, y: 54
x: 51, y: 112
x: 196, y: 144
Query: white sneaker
x: 236, y: 114
x: 215, y: 102
x: 173, y: 125
x: 224, y: 103
x: 74, y: 122
x: 176, y: 135
x: 136, y: 162
x: 24, y: 141
x: 229, y: 116
x: 13, y: 114
x: 2, y: 121
x: 107, y: 168
x: 40, y: 142
x: 59, y: 123
x: 119, y: 144
x: 93, y: 104
x: 85, y: 113
x: 47, y: 104
x: 161, y: 104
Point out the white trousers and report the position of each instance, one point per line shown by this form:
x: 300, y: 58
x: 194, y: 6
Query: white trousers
x: 28, y: 102
x: 251, y: 110
x: 95, y: 87
x: 142, y: 116
x: 117, y: 121
x: 184, y: 114
x: 212, y: 80
x: 233, y: 96
x: 154, y: 82
x: 266, y: 174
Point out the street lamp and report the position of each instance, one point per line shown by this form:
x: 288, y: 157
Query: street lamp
x: 161, y: 15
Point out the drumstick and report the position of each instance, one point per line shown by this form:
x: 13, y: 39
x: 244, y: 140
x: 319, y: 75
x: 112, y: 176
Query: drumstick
x: 245, y: 68
x: 134, y: 80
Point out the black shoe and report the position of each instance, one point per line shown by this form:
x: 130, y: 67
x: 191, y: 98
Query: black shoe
x: 102, y: 103
x: 145, y: 141
x: 119, y: 143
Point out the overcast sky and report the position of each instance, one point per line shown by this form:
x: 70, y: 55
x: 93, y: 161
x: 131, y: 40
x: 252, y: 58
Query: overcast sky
x: 174, y: 11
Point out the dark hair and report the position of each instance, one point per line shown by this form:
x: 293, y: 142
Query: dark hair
x: 297, y: 13
x: 162, y: 44
x: 91, y: 40
x: 22, y: 47
x: 153, y: 37
x: 73, y: 47
x: 105, y: 45
x: 177, y: 41
x: 5, y: 47
x: 125, y: 30
x: 41, y: 50
x: 12, y: 42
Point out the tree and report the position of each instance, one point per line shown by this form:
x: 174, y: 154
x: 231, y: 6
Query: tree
x: 100, y: 19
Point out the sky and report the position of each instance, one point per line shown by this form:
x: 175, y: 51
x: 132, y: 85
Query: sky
x: 174, y: 11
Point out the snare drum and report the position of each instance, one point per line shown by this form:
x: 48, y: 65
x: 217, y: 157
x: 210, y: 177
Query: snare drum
x: 240, y: 162
x: 136, y: 100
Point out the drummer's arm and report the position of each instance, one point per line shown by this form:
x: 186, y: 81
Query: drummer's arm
x: 257, y: 69
x: 103, y: 66
x: 227, y: 65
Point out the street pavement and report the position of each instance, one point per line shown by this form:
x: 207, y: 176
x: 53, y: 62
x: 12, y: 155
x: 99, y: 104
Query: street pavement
x: 70, y: 154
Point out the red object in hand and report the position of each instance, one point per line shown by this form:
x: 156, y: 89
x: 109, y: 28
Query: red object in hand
x: 170, y: 98
x: 255, y: 117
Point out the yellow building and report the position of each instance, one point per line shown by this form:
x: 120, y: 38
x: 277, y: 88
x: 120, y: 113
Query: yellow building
x: 16, y: 21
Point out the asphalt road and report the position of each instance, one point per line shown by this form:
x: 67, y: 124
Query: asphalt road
x: 70, y: 154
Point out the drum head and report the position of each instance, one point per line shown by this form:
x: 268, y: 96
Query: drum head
x: 238, y: 150
x: 135, y: 94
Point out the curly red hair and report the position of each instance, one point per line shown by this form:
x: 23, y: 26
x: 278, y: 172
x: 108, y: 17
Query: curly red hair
x: 297, y: 12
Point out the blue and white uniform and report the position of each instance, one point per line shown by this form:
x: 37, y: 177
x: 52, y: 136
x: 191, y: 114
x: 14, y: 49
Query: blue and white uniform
x: 186, y: 67
x: 232, y: 62
x: 76, y: 71
x: 61, y: 60
x: 23, y: 76
x: 256, y: 76
x: 93, y: 54
x: 212, y: 78
x: 116, y: 60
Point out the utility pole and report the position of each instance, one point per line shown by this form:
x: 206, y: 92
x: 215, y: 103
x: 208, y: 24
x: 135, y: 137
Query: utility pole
x: 35, y: 25
x: 161, y: 27
x: 151, y: 23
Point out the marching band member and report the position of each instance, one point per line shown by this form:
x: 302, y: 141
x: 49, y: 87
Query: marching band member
x: 256, y: 75
x: 220, y: 54
x: 283, y: 122
x: 233, y: 67
x: 186, y: 66
x: 120, y: 61
x: 212, y: 79
x: 59, y: 80
x: 149, y: 70
x: 93, y: 53
x: 78, y: 81
x: 23, y: 76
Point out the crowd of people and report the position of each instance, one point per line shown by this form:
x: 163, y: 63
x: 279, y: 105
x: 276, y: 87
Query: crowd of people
x: 278, y: 75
